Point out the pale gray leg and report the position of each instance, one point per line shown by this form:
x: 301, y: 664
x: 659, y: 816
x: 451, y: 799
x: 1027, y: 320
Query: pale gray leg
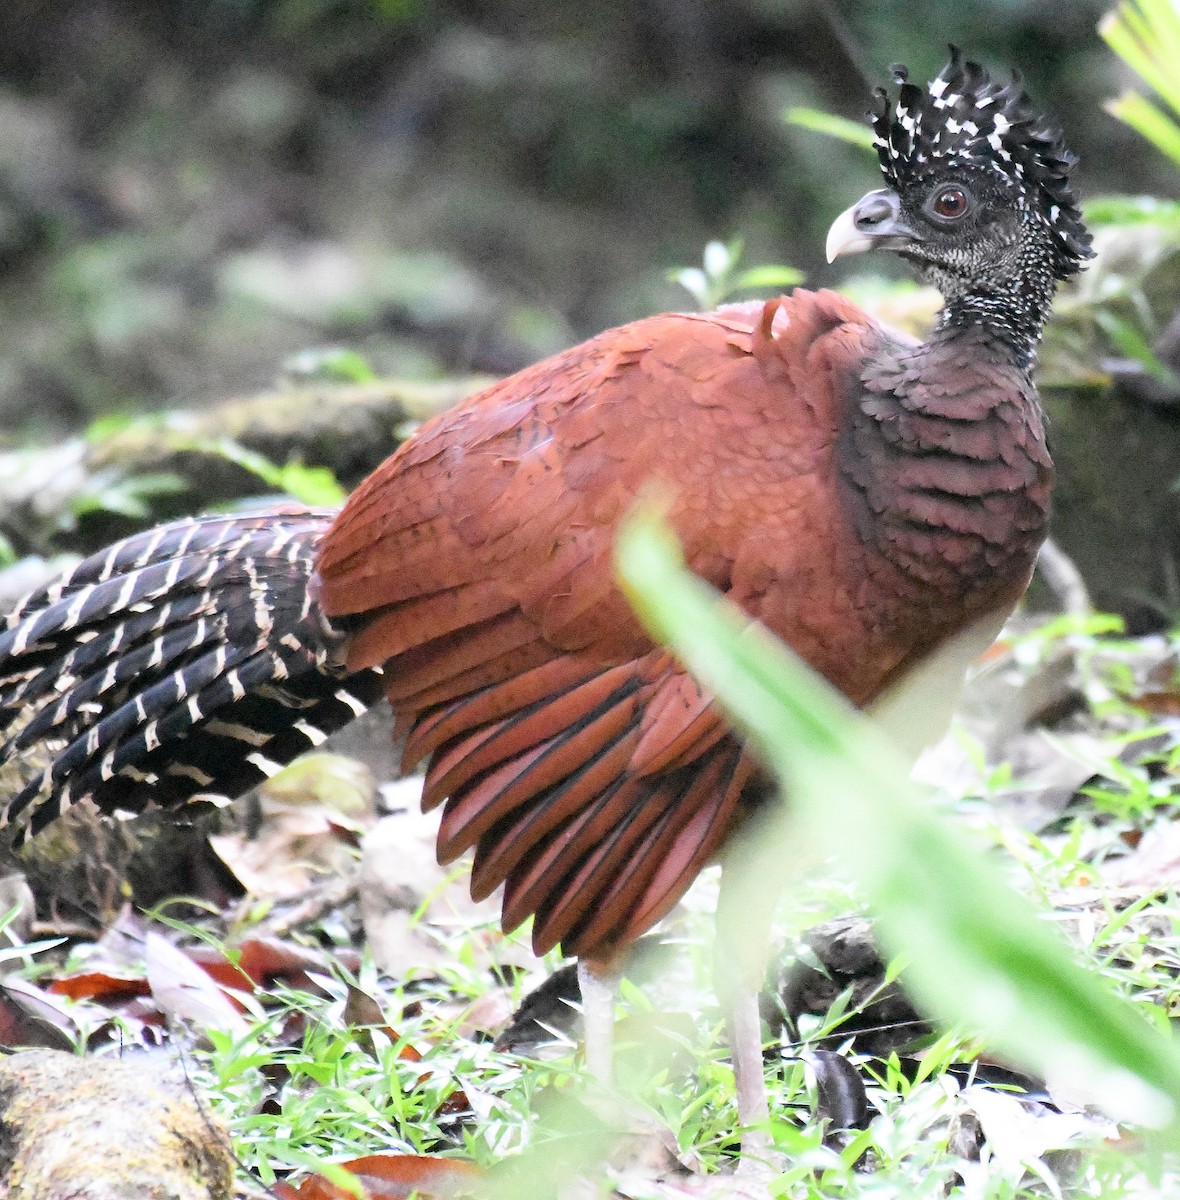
x: 745, y: 905
x: 744, y: 1025
x: 598, y: 1018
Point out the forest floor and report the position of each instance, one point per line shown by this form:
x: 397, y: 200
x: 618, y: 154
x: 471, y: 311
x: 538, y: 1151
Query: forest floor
x: 327, y: 993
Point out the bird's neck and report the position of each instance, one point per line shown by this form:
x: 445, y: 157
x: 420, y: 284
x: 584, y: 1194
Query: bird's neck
x: 1012, y: 315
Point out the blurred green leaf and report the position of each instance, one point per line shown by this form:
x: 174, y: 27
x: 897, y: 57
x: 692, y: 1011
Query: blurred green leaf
x: 333, y: 365
x: 1088, y: 625
x: 770, y: 275
x: 1146, y: 119
x: 720, y: 275
x: 314, y: 486
x: 977, y: 953
x: 1145, y: 34
x: 1131, y: 210
x: 110, y: 424
x: 1132, y: 344
x: 857, y: 133
x: 128, y: 495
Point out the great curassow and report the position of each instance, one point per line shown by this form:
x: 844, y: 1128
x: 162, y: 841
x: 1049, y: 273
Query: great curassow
x: 876, y: 501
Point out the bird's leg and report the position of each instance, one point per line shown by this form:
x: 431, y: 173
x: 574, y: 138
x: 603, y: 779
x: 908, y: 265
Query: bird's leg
x: 599, y: 984
x: 637, y: 1139
x: 744, y: 1024
x: 744, y: 913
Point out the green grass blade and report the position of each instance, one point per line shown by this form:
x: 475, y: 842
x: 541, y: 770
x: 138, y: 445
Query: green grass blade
x: 857, y: 133
x: 1149, y: 121
x: 1145, y: 34
x: 977, y: 953
x: 1129, y: 36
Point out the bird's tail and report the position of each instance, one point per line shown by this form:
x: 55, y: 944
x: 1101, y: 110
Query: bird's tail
x: 188, y: 660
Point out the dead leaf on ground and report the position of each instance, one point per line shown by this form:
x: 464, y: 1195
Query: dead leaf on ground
x: 395, y: 1177
x: 185, y: 991
x: 99, y: 985
x: 1152, y: 866
x: 841, y: 1098
x: 405, y: 896
x: 32, y: 1017
x: 311, y: 812
x: 362, y: 1012
x: 1019, y: 1132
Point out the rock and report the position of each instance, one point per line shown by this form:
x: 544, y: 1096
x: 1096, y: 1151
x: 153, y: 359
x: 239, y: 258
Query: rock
x: 104, y: 1129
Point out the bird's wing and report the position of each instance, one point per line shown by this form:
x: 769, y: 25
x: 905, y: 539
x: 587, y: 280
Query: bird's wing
x: 591, y: 774
x: 507, y: 506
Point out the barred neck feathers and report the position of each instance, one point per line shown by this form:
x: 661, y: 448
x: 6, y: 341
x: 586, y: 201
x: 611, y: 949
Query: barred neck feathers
x: 1009, y: 304
x: 1010, y: 311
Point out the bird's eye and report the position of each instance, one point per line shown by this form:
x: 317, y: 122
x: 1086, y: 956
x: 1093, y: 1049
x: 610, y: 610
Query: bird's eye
x: 950, y: 203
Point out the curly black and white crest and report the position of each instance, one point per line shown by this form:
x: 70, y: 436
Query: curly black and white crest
x: 964, y: 119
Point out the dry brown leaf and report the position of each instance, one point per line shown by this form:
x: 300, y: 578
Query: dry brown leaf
x: 185, y: 992
x: 311, y: 812
x: 395, y: 1177
x: 405, y: 894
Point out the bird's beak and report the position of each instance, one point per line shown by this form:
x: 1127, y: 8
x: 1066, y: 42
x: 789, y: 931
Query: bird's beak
x: 875, y: 221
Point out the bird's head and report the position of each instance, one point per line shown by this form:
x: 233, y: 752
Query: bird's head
x: 978, y: 194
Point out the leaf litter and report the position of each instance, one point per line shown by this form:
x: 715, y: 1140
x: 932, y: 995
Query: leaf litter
x: 423, y: 1029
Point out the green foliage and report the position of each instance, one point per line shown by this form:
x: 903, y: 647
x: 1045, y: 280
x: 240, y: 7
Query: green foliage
x: 1113, y: 305
x: 976, y: 952
x: 114, y: 491
x: 314, y: 486
x: 1132, y: 210
x: 855, y: 133
x: 110, y: 424
x: 1145, y: 34
x: 334, y: 365
x: 1130, y: 342
x: 721, y: 275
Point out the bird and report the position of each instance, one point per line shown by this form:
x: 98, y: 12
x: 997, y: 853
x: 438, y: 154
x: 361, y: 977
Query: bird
x: 876, y: 500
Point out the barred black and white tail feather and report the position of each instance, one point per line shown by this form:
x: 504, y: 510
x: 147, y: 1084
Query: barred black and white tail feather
x: 187, y: 660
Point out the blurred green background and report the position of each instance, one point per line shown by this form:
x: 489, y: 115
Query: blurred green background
x: 193, y: 190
